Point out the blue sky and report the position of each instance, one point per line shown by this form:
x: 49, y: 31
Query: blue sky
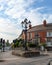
x: 12, y: 12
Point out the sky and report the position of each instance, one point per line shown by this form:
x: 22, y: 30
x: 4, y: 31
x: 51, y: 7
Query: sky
x: 13, y: 12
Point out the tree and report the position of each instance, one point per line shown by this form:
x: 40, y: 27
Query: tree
x: 18, y: 43
x: 7, y: 43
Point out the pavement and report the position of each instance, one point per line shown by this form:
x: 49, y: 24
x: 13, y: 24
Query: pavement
x: 7, y: 56
x: 16, y: 60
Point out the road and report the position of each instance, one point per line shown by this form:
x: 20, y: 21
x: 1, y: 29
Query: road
x: 16, y: 60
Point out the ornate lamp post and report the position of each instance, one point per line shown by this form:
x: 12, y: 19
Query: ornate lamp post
x: 25, y: 26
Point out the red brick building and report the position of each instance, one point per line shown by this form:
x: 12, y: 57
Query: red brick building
x: 41, y: 33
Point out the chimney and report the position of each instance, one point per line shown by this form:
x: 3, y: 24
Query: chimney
x: 44, y: 23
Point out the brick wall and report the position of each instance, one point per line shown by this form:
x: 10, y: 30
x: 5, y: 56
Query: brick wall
x: 42, y: 36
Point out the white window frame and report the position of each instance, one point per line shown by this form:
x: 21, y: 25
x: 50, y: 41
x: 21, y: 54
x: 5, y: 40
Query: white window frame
x: 49, y: 34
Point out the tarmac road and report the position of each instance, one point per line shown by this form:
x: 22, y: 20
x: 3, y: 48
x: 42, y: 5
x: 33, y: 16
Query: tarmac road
x: 16, y: 60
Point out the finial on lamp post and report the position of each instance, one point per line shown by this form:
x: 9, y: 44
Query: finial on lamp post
x: 30, y: 24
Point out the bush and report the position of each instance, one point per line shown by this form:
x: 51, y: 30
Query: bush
x: 32, y: 45
x: 43, y: 44
x: 12, y: 45
x: 16, y: 44
x: 0, y: 46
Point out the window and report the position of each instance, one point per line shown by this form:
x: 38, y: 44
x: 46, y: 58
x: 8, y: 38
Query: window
x: 49, y: 34
x: 36, y: 35
x: 48, y: 40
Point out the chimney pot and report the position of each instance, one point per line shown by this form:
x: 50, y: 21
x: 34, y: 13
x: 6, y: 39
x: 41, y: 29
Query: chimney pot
x: 44, y: 22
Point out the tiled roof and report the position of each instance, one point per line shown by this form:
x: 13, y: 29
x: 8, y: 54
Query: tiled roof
x: 41, y: 27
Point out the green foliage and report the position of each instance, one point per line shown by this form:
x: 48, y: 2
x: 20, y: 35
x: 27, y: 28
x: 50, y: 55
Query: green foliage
x: 43, y: 44
x: 17, y: 43
x: 31, y: 45
x: 12, y: 45
x: 0, y: 46
x: 7, y: 44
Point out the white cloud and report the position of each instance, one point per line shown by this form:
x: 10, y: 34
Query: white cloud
x: 8, y: 29
x: 1, y: 7
x: 16, y: 8
x: 18, y: 11
x: 49, y: 18
x: 39, y: 8
x: 34, y: 16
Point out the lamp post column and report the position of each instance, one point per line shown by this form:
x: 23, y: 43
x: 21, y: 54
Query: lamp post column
x: 26, y: 40
x: 25, y: 26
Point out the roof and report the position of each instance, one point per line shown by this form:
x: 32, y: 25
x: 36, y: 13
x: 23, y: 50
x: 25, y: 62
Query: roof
x: 41, y: 27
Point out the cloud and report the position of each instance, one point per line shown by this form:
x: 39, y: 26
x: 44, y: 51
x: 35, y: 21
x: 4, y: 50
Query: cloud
x: 8, y: 29
x: 19, y: 10
x: 48, y: 17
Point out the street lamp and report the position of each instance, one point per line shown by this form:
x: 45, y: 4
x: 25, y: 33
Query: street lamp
x: 25, y: 26
x: 3, y: 45
x: 1, y: 40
